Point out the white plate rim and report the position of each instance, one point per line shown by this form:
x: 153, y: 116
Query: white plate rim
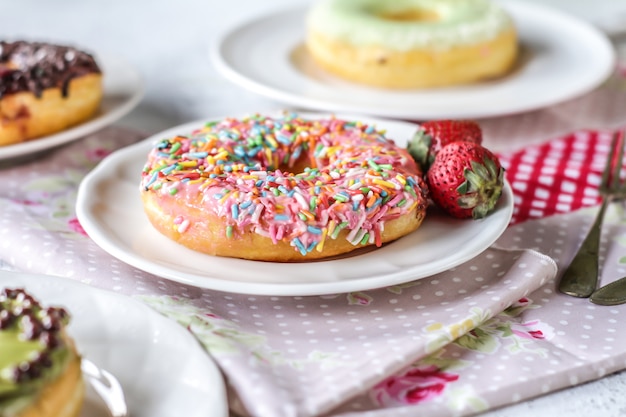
x: 100, y: 233
x: 117, y: 72
x: 37, y: 283
x: 604, y: 59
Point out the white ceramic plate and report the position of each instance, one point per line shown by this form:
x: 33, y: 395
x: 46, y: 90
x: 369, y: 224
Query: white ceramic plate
x: 163, y: 370
x: 122, y: 92
x: 110, y: 210
x: 562, y: 58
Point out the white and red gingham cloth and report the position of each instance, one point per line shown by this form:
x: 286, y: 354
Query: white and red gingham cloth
x: 559, y: 176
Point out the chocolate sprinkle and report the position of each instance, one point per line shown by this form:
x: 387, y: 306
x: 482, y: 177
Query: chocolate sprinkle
x: 18, y: 308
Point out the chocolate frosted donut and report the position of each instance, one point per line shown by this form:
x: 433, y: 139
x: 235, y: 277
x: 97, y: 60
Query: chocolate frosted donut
x: 40, y: 371
x: 36, y: 66
x: 45, y: 88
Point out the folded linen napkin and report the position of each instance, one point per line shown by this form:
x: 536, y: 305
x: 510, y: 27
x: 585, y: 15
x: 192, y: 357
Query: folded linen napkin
x: 544, y: 342
x: 407, y: 349
x: 304, y: 356
x: 288, y: 356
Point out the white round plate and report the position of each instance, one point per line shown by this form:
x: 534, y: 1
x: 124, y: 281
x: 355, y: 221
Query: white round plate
x: 123, y: 90
x: 110, y: 210
x: 562, y: 57
x: 162, y: 369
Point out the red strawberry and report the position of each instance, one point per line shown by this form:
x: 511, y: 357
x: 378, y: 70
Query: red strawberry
x: 432, y: 136
x: 466, y: 180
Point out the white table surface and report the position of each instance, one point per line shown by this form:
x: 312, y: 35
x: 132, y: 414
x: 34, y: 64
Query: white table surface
x: 168, y: 41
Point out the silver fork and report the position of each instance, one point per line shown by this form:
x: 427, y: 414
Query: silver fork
x: 581, y: 277
x: 107, y: 387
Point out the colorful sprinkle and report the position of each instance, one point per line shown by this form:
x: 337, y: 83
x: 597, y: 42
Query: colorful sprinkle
x: 356, y: 178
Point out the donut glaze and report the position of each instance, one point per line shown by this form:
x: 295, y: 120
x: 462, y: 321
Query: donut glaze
x: 282, y: 189
x: 408, y: 24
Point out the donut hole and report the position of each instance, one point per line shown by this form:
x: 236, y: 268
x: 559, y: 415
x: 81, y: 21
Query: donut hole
x: 300, y: 166
x: 410, y: 15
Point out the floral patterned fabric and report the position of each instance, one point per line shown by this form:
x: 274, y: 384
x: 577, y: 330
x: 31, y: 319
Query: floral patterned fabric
x: 487, y: 333
x: 317, y: 351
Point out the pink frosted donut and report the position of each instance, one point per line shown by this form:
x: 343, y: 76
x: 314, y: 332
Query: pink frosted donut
x: 282, y: 189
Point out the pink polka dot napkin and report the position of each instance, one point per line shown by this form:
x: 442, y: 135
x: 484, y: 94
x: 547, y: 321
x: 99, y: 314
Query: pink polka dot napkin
x: 487, y: 333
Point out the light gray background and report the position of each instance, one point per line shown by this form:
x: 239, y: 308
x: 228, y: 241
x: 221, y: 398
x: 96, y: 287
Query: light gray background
x: 168, y: 43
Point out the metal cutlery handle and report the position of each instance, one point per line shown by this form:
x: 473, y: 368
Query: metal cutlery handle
x: 581, y: 276
x: 580, y: 279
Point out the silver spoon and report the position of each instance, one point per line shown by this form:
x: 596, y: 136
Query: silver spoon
x: 611, y: 294
x: 107, y: 387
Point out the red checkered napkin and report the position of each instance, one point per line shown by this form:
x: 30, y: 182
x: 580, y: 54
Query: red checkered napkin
x: 559, y: 176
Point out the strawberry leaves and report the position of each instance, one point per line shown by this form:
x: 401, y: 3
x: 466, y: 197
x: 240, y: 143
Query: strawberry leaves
x: 420, y: 148
x: 434, y: 135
